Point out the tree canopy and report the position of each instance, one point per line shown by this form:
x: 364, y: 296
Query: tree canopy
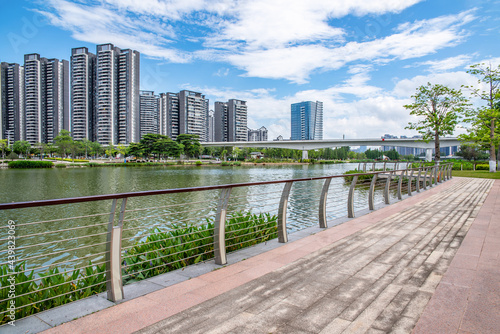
x: 439, y: 109
x: 484, y: 123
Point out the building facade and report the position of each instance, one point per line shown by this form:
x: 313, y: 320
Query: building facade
x: 230, y: 121
x: 307, y: 121
x: 183, y: 112
x: 117, y: 95
x: 149, y: 120
x: 257, y: 135
x: 46, y: 102
x: 83, y: 116
x: 11, y: 102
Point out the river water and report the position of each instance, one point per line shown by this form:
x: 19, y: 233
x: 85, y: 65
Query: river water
x: 81, y: 237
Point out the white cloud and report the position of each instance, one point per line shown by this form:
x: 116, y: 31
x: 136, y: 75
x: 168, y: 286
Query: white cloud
x: 447, y: 63
x: 277, y: 39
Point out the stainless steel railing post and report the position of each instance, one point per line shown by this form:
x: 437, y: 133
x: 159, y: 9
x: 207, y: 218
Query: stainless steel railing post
x: 371, y: 194
x: 425, y: 177
x: 350, y: 199
x: 322, y: 204
x: 282, y: 232
x: 220, y: 227
x: 386, y: 190
x: 410, y: 178
x: 114, y: 282
x: 417, y: 184
x: 400, y: 185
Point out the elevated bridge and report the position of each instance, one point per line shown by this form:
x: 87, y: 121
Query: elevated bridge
x: 306, y: 145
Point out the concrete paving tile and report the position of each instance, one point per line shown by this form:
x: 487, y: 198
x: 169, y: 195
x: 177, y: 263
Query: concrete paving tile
x: 444, y: 310
x: 168, y: 279
x: 319, y: 315
x: 465, y: 261
x: 336, y: 326
x: 26, y: 325
x: 77, y: 309
x: 459, y: 277
x: 177, y: 290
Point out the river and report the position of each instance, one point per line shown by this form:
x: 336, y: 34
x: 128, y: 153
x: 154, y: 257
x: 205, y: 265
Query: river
x: 35, y: 239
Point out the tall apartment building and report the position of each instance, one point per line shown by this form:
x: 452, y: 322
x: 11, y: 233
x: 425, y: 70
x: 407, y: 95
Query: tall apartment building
x: 57, y: 101
x: 257, y: 135
x: 307, y: 120
x: 168, y: 109
x: 83, y: 94
x: 46, y: 103
x: 11, y: 102
x: 117, y: 95
x: 230, y: 121
x: 183, y: 112
x: 211, y: 125
x: 149, y: 120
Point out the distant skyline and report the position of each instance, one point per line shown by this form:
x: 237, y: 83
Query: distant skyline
x: 363, y: 60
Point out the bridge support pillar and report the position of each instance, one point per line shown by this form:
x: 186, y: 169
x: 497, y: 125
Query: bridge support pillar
x: 428, y: 154
x: 305, y: 155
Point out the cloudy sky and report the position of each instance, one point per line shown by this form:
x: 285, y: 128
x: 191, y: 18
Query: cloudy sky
x: 362, y: 58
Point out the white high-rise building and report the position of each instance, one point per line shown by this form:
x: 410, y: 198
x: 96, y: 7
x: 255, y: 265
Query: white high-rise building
x: 11, y: 102
x: 183, y: 112
x: 83, y: 94
x: 46, y: 102
x: 230, y: 121
x: 117, y: 95
x: 149, y: 112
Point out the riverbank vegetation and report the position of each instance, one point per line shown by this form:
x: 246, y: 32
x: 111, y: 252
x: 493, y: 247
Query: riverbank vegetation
x: 160, y: 252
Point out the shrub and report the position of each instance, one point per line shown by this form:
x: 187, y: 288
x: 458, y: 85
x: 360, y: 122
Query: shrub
x: 198, y: 163
x: 482, y: 167
x: 30, y: 164
x: 60, y: 165
x: 160, y: 252
x: 225, y: 163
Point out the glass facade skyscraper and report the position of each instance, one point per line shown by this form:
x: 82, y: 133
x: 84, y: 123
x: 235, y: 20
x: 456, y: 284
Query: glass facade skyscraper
x: 307, y: 121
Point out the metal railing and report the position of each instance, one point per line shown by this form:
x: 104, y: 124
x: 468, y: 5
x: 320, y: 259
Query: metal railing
x: 83, y: 249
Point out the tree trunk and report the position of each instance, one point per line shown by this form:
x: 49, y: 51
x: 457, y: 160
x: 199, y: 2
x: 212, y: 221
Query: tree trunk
x: 437, y: 154
x: 493, y: 159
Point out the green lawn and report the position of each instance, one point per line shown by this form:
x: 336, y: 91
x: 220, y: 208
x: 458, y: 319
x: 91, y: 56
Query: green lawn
x: 482, y: 174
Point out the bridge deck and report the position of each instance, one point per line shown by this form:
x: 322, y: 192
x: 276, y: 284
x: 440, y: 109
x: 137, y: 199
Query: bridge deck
x: 428, y: 264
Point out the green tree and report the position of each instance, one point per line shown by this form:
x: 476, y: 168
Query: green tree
x: 64, y: 141
x: 110, y: 151
x: 373, y: 154
x: 135, y: 149
x: 148, y: 143
x: 191, y: 143
x: 439, y: 110
x: 121, y: 149
x: 471, y: 152
x: 95, y: 149
x: 75, y: 148
x: 392, y: 154
x: 22, y: 147
x: 3, y: 147
x: 485, y: 129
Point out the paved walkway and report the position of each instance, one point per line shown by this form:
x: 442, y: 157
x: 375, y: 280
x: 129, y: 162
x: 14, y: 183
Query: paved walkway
x: 404, y: 268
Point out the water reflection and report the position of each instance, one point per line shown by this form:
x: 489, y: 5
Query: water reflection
x: 79, y: 240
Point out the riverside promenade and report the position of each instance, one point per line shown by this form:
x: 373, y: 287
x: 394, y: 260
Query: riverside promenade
x: 427, y: 264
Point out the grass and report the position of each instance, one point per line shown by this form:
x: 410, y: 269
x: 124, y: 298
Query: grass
x: 480, y: 174
x: 30, y: 164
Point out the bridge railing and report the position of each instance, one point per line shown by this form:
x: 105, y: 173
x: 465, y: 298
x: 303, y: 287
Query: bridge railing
x: 57, y: 251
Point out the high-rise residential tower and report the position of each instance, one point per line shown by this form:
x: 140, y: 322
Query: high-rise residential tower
x: 230, y: 121
x: 149, y: 112
x: 183, y: 112
x: 46, y: 102
x: 193, y: 114
x: 83, y: 94
x: 11, y: 102
x: 117, y: 95
x: 307, y: 121
x: 257, y: 135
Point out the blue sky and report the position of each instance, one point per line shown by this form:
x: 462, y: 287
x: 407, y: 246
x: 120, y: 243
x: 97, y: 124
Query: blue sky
x: 362, y: 59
